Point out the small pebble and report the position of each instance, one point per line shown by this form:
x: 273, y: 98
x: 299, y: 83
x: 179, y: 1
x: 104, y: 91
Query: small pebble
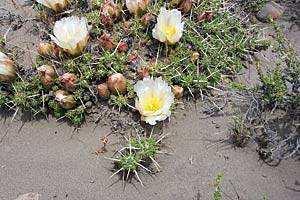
x: 271, y: 9
x: 88, y: 104
x: 86, y: 98
x: 29, y: 196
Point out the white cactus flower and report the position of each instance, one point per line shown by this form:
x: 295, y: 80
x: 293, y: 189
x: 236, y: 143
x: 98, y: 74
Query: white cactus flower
x: 169, y: 27
x: 7, y: 69
x: 71, y: 34
x: 154, y: 100
x: 56, y: 5
x: 135, y: 6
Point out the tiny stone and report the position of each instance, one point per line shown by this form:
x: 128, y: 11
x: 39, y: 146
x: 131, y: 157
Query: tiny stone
x: 88, y: 104
x: 29, y: 196
x: 44, y: 110
x: 86, y: 98
x: 271, y: 9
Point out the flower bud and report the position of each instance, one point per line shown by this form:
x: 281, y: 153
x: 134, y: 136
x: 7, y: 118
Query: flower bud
x: 123, y: 47
x: 117, y: 83
x: 147, y: 18
x: 177, y: 91
x: 7, y: 68
x: 103, y: 90
x: 65, y: 99
x: 109, y: 12
x: 57, y: 51
x: 133, y: 58
x: 127, y: 27
x: 47, y: 74
x: 49, y: 49
x: 136, y: 6
x: 195, y: 56
x: 106, y: 41
x: 45, y: 48
x: 68, y: 80
x: 143, y: 72
x: 56, y: 5
x: 186, y: 6
x: 174, y: 2
x: 206, y: 16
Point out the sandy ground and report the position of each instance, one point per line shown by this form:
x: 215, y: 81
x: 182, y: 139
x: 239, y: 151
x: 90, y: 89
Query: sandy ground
x: 49, y: 158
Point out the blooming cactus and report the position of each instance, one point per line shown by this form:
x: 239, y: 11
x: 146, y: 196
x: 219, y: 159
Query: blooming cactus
x: 71, y: 34
x: 169, y: 27
x: 135, y: 6
x: 154, y: 100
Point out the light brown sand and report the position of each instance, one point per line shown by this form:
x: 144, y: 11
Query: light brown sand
x: 50, y: 159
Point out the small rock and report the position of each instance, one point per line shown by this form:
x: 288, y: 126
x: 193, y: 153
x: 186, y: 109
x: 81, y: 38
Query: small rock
x: 88, y: 104
x: 44, y: 110
x: 51, y: 93
x: 29, y: 196
x: 272, y: 10
x: 86, y: 97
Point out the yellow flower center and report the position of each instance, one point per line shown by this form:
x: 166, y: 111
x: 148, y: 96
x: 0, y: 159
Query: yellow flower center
x: 170, y: 31
x: 153, y: 103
